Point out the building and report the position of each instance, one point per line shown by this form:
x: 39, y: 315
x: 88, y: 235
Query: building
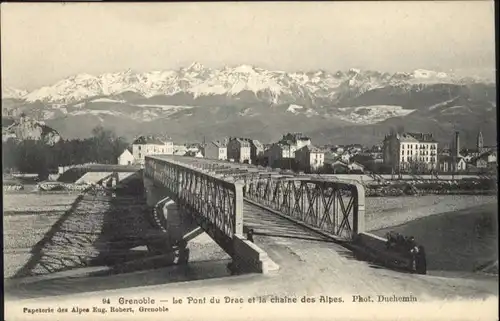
x: 309, y: 157
x: 126, y: 158
x: 480, y: 147
x: 338, y: 167
x: 256, y: 150
x: 356, y: 167
x: 480, y: 142
x: 239, y: 150
x: 179, y: 150
x: 194, y: 147
x: 148, y: 145
x: 282, y: 153
x: 277, y: 155
x: 469, y: 154
x: 345, y: 157
x: 197, y: 154
x: 365, y: 162
x: 480, y: 162
x: 405, y: 151
x: 338, y: 149
x: 451, y: 164
x: 295, y: 141
x: 485, y: 160
x: 330, y: 157
x: 216, y: 150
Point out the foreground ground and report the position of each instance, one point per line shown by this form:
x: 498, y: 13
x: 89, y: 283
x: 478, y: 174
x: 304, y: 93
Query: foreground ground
x: 41, y: 239
x: 310, y: 267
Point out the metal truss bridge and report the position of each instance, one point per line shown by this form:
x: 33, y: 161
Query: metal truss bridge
x: 227, y: 200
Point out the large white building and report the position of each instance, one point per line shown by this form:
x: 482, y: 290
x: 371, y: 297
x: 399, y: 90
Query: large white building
x: 404, y: 151
x: 216, y: 150
x: 148, y: 145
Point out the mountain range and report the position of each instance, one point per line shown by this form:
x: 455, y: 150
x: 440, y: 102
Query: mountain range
x: 196, y: 103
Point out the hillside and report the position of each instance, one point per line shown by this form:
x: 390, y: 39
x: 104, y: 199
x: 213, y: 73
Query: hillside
x: 28, y: 129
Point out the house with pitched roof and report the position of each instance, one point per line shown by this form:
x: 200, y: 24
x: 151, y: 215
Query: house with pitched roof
x: 239, y: 150
x: 309, y: 157
x: 216, y: 150
x: 449, y: 163
x: 485, y: 160
x: 148, y: 145
x: 126, y: 158
x: 282, y: 153
x: 277, y: 155
x: 294, y: 141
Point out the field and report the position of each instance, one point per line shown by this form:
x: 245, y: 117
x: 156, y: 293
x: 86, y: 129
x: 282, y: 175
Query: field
x: 61, y: 232
x: 27, y: 217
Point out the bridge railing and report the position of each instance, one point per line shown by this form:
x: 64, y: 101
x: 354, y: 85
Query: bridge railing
x: 334, y: 207
x: 215, y: 204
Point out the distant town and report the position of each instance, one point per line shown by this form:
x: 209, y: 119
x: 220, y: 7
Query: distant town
x: 399, y: 153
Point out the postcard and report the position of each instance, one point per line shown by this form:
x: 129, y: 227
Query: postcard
x: 249, y: 161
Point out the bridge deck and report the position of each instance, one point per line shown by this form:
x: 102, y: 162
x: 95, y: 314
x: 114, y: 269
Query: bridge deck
x: 312, y: 263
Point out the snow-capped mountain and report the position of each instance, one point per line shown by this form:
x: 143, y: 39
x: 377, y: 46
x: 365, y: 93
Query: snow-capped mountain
x: 274, y: 87
x: 13, y: 93
x: 244, y: 99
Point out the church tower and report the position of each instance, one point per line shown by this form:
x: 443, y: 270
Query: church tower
x: 480, y: 142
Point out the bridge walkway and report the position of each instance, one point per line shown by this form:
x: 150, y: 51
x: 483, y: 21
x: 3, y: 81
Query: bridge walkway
x: 310, y: 262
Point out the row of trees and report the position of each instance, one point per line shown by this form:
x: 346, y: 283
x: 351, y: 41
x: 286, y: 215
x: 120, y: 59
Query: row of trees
x: 32, y: 156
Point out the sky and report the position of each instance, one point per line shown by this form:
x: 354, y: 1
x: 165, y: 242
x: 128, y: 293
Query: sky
x: 42, y: 43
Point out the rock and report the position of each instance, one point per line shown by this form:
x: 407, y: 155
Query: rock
x: 29, y: 129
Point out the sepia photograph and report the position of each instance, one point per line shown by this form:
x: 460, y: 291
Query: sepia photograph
x: 249, y: 160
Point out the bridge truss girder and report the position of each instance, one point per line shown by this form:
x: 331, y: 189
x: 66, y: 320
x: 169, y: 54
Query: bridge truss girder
x: 215, y: 204
x: 334, y: 206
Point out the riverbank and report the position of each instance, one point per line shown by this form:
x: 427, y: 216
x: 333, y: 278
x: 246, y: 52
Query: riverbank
x: 431, y: 187
x: 464, y: 240
x: 382, y: 212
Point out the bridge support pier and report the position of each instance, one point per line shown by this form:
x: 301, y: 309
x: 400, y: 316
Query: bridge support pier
x: 206, y: 200
x: 178, y: 227
x: 249, y: 258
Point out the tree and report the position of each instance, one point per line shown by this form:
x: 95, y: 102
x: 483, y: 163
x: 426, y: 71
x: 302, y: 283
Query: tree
x: 30, y: 156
